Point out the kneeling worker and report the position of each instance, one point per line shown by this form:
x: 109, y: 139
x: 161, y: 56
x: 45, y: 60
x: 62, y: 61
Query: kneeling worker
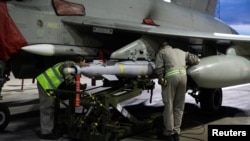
x: 54, y: 78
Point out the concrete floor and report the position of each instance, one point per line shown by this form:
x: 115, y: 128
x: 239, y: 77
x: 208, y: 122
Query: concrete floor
x: 24, y: 124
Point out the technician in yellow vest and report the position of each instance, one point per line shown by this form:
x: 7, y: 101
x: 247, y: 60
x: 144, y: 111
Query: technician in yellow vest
x: 53, y: 78
x: 171, y: 72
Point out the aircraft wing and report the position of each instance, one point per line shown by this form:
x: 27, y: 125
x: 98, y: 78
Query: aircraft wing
x: 107, y: 26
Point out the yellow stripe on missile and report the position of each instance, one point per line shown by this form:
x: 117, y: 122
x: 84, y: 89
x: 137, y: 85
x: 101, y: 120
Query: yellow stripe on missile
x: 121, y: 68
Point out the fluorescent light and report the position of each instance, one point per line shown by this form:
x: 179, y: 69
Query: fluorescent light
x: 232, y: 35
x: 169, y: 1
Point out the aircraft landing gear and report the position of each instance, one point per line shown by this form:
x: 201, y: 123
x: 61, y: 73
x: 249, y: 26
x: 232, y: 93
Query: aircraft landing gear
x: 4, y: 110
x: 4, y: 116
x: 210, y: 99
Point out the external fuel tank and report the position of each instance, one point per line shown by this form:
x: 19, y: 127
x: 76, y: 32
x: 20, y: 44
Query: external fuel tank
x: 221, y: 71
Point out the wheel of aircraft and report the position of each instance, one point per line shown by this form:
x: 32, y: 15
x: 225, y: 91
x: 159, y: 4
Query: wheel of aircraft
x: 210, y: 99
x: 4, y: 116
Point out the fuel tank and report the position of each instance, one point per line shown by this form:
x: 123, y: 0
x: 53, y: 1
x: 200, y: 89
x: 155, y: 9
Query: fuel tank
x: 221, y: 71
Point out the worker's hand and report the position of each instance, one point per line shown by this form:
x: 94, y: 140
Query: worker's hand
x: 192, y: 59
x: 83, y: 64
x: 162, y: 81
x: 83, y: 86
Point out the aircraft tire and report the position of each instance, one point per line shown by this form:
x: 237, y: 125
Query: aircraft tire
x: 4, y: 116
x: 210, y: 100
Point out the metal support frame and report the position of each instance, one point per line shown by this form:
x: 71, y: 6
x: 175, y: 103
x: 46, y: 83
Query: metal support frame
x: 101, y: 116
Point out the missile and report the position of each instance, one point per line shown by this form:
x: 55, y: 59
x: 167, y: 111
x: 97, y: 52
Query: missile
x: 221, y: 71
x: 123, y: 69
x: 54, y: 50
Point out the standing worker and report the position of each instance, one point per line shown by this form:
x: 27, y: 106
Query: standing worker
x: 54, y: 78
x: 171, y: 72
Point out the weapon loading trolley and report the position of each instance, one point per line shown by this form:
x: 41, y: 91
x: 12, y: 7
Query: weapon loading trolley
x: 100, y: 116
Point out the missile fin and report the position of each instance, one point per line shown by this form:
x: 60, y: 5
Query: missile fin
x: 110, y: 77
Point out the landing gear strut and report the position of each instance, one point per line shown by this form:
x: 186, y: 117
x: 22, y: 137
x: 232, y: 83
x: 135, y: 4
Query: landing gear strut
x: 210, y: 99
x: 4, y: 110
x: 4, y: 116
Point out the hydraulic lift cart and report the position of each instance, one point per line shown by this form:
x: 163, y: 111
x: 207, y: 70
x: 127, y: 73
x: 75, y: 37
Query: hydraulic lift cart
x: 99, y: 116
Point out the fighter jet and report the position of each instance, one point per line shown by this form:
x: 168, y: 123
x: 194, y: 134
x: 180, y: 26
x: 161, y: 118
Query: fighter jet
x: 35, y: 34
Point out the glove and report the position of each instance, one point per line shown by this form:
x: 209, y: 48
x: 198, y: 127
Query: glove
x: 192, y: 59
x: 162, y: 81
x: 83, y: 86
x: 73, y: 86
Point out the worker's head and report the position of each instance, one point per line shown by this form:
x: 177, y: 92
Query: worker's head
x: 79, y: 60
x: 163, y: 44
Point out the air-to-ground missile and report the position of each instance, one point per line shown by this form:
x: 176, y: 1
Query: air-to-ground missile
x: 221, y: 71
x: 124, y: 69
x: 54, y: 50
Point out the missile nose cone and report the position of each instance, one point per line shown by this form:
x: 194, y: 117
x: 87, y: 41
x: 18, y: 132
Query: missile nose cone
x: 40, y: 49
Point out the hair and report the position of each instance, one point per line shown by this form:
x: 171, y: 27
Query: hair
x: 77, y: 58
x: 163, y: 44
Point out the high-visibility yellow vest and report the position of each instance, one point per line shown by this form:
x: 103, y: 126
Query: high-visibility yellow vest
x: 174, y: 72
x: 51, y: 78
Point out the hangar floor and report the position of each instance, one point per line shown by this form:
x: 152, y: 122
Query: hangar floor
x: 24, y: 124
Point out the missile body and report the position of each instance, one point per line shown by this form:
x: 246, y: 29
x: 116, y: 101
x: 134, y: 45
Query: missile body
x: 221, y: 71
x: 124, y: 69
x: 212, y: 72
x: 54, y: 50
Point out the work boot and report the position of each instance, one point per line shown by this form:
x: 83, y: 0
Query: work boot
x: 176, y: 137
x: 159, y: 133
x: 166, y: 138
x: 50, y: 136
